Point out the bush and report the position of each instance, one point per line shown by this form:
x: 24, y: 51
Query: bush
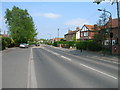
x: 65, y: 44
x: 55, y: 44
x: 6, y: 42
x: 2, y: 44
x: 88, y: 45
x: 94, y: 46
x: 81, y: 45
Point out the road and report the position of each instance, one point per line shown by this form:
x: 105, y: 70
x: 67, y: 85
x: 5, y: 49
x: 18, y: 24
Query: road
x: 49, y: 67
x: 15, y: 68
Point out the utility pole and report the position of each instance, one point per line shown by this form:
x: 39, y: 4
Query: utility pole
x: 0, y: 31
x: 118, y: 39
x: 118, y: 9
x: 58, y: 33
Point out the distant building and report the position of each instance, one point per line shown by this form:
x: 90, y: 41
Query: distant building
x: 70, y: 34
x: 114, y: 29
x: 4, y: 35
x: 87, y: 32
x: 57, y: 39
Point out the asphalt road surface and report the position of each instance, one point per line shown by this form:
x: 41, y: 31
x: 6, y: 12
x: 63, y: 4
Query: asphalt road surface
x: 15, y: 68
x: 48, y: 67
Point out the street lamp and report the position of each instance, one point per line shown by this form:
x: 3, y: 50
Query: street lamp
x: 111, y: 33
x: 107, y: 12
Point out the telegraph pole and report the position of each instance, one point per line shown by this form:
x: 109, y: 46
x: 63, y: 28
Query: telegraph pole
x: 118, y: 9
x: 58, y: 33
x: 118, y: 39
x: 0, y: 31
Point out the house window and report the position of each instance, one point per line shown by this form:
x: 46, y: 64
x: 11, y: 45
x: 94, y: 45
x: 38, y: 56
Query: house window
x: 85, y: 33
x: 82, y: 34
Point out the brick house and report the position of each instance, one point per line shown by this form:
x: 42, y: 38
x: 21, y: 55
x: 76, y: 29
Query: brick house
x: 114, y: 31
x: 116, y: 35
x: 57, y: 39
x: 70, y: 34
x: 87, y: 32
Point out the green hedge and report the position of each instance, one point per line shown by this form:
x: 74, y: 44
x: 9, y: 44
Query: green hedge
x: 65, y: 44
x: 6, y: 42
x: 88, y: 45
x: 2, y: 44
x: 94, y: 46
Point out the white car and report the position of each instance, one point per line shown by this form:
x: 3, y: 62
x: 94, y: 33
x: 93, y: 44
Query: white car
x: 23, y: 45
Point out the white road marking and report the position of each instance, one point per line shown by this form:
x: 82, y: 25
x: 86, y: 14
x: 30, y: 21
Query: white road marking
x: 32, y: 81
x: 66, y: 58
x: 104, y: 60
x: 83, y: 65
x: 55, y: 53
x: 51, y: 52
x: 98, y: 71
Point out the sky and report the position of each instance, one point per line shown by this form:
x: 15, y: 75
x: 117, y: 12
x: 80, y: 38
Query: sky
x: 48, y: 17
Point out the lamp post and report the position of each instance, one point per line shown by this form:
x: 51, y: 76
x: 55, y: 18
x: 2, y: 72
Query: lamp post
x: 111, y: 33
x: 107, y: 12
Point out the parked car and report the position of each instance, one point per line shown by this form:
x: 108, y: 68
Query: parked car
x: 23, y: 45
x: 37, y: 44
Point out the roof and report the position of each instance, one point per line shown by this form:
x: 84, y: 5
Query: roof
x: 115, y: 22
x: 57, y: 39
x: 90, y: 27
x: 70, y: 33
x: 4, y: 35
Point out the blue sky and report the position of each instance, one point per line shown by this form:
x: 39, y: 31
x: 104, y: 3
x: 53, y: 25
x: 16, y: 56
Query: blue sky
x: 49, y: 16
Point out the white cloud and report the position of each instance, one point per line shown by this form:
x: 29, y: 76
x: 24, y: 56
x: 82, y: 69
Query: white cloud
x: 48, y: 15
x: 77, y: 22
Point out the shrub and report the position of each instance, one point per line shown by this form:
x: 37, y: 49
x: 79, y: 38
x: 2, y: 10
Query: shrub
x: 2, y: 43
x: 88, y: 45
x: 55, y: 44
x: 6, y: 42
x: 94, y: 46
x: 81, y: 45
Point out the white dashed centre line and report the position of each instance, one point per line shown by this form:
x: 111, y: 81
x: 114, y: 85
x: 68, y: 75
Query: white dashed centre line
x: 66, y: 58
x: 82, y: 64
x: 98, y: 71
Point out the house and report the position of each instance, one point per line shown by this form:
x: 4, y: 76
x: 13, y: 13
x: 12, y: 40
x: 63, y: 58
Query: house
x: 4, y: 35
x: 114, y: 30
x: 69, y: 36
x: 115, y: 39
x: 57, y: 39
x: 87, y: 32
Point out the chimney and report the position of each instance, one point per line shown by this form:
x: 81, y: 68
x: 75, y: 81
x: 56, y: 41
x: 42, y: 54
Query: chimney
x: 69, y: 31
x: 77, y: 28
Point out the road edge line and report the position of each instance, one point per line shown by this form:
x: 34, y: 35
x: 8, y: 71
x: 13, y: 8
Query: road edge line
x: 32, y: 81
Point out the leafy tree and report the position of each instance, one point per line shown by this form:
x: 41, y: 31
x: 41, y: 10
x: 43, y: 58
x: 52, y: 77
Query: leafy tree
x: 20, y: 24
x: 74, y: 37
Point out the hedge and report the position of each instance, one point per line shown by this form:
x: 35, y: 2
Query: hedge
x: 6, y: 42
x: 88, y: 45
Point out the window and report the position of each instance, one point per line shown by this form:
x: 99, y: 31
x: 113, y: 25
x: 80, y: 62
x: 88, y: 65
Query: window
x: 85, y: 33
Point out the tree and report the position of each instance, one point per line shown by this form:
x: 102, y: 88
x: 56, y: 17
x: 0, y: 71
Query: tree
x: 74, y: 37
x: 20, y: 24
